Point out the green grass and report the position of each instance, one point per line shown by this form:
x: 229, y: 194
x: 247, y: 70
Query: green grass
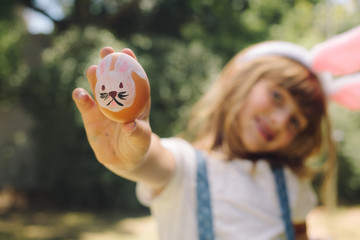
x: 343, y: 224
x: 75, y: 225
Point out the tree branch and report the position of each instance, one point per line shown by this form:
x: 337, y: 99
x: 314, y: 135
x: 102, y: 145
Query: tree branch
x: 30, y: 4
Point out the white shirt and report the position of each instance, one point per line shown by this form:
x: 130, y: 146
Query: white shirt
x: 244, y: 202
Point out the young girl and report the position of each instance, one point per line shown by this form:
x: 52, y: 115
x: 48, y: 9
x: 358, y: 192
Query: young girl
x: 266, y: 112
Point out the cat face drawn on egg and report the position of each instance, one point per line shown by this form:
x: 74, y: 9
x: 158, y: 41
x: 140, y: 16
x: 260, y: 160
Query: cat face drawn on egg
x: 115, y: 88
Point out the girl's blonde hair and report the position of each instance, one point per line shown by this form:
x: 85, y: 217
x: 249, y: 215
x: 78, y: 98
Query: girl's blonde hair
x: 214, y: 126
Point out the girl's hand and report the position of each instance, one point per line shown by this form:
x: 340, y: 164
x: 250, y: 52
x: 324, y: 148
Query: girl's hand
x: 121, y: 147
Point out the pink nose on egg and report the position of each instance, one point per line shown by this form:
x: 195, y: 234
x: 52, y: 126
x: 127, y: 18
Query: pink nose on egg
x: 113, y: 94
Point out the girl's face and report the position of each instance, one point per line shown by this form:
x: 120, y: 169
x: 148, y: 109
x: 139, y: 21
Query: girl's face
x: 270, y: 118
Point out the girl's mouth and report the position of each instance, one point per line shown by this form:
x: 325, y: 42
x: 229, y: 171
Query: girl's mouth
x: 265, y: 130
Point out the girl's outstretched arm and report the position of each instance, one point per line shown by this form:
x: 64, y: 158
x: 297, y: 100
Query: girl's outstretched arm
x: 129, y: 150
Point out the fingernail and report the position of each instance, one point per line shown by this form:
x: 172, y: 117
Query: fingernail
x: 80, y: 95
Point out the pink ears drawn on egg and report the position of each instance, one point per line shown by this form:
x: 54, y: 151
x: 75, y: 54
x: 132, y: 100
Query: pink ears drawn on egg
x: 340, y: 56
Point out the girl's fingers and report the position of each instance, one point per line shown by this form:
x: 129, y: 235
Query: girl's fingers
x: 82, y: 100
x: 106, y: 51
x: 91, y: 71
x: 129, y: 127
x: 135, y: 140
x: 91, y: 76
x: 87, y: 106
x: 129, y: 52
x: 145, y: 114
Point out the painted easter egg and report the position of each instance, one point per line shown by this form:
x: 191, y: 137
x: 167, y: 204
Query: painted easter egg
x: 122, y: 90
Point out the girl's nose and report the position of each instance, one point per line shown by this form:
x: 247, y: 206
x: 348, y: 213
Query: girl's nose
x: 281, y: 117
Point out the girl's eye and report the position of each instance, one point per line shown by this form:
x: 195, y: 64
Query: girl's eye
x: 277, y: 97
x: 121, y: 85
x: 103, y: 87
x: 295, y: 123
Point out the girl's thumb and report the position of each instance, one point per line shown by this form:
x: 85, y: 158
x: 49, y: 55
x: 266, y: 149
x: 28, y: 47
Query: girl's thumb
x: 82, y: 100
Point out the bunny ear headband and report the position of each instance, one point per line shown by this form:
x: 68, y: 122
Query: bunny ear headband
x: 337, y: 56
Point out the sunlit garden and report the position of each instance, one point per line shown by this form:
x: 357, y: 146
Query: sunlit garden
x: 51, y: 185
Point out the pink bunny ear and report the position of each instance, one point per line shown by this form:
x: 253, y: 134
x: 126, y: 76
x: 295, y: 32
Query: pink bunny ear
x: 346, y: 91
x: 339, y: 55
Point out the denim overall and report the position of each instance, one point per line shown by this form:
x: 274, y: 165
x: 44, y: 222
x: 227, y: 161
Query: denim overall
x: 204, y: 215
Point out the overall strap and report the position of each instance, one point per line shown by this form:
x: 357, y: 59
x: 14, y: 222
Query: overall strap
x: 278, y: 173
x: 204, y: 214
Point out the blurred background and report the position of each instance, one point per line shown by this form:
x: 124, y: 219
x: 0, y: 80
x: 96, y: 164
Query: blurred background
x: 51, y: 186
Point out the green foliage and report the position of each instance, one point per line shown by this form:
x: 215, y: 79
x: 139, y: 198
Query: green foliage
x: 182, y: 46
x: 6, y: 12
x: 308, y: 24
x: 347, y: 132
x: 305, y: 32
x: 178, y: 74
x: 226, y: 27
x: 68, y: 173
x: 12, y: 70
